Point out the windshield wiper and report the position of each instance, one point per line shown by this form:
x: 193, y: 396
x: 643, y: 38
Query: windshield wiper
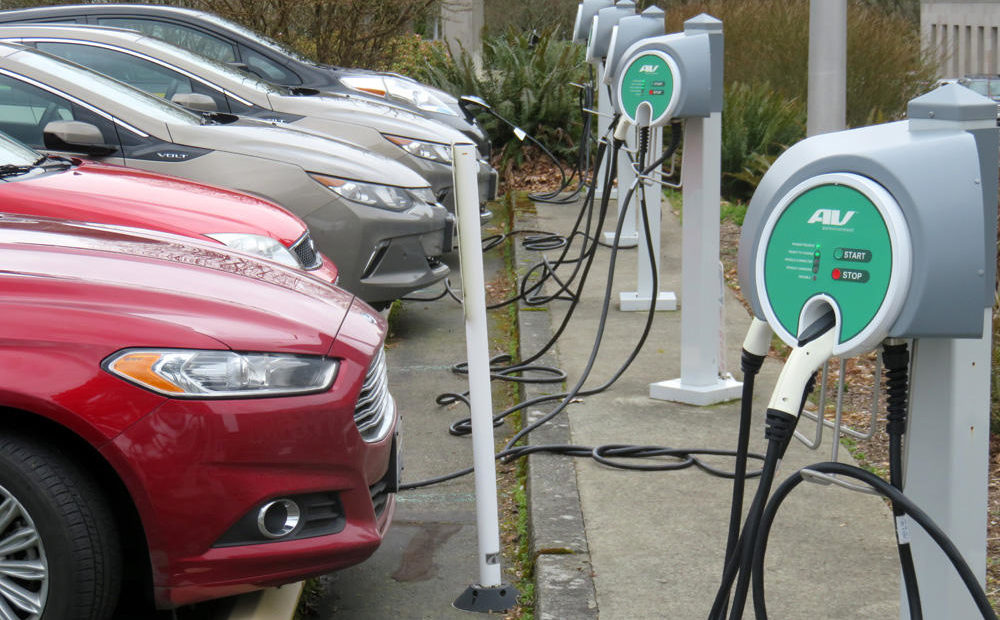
x: 45, y: 162
x: 13, y: 170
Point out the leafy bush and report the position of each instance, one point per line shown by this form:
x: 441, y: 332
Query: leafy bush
x: 527, y: 15
x: 411, y: 53
x: 527, y: 81
x: 757, y: 125
x: 353, y: 33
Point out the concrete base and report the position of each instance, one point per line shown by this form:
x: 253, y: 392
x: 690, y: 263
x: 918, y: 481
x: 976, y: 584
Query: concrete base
x: 627, y: 240
x: 632, y: 302
x: 725, y: 388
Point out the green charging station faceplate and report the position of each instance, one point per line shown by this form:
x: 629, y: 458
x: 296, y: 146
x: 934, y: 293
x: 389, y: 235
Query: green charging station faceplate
x: 838, y: 240
x: 651, y: 78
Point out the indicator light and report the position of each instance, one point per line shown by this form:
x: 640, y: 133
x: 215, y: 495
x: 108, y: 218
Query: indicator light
x: 836, y: 274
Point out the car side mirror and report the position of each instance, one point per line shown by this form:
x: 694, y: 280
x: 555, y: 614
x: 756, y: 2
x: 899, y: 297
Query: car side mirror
x: 196, y: 101
x: 76, y: 137
x: 473, y: 101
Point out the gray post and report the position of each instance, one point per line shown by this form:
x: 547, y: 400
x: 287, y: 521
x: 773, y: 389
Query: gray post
x: 827, y: 104
x: 462, y: 27
x: 947, y: 465
x: 701, y: 381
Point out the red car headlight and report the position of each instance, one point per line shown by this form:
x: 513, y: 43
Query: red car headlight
x: 189, y: 373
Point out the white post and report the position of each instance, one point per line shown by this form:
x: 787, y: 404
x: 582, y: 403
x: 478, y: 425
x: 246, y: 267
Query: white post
x: 947, y: 465
x: 488, y: 592
x: 827, y: 89
x: 643, y: 296
x: 626, y: 177
x: 604, y: 113
x: 701, y: 381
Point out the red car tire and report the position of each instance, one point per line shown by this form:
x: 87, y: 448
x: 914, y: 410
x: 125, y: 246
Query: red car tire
x: 58, y: 547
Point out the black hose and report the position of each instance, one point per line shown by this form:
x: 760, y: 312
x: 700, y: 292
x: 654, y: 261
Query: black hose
x: 750, y: 364
x: 886, y: 490
x: 896, y: 360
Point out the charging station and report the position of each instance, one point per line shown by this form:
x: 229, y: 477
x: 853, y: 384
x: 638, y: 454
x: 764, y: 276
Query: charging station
x: 586, y: 13
x: 893, y: 229
x: 679, y: 76
x: 625, y: 33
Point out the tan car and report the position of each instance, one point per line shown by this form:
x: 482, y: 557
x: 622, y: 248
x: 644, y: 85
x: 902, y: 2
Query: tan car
x: 374, y: 217
x: 199, y: 83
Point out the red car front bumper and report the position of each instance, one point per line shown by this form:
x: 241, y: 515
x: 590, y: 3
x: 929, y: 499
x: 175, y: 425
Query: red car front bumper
x: 196, y: 468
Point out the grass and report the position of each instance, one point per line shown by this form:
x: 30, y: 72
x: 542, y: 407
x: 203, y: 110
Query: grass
x: 512, y: 479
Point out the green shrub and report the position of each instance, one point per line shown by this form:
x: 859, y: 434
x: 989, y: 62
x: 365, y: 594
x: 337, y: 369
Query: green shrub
x: 757, y: 125
x: 411, y: 53
x: 526, y: 81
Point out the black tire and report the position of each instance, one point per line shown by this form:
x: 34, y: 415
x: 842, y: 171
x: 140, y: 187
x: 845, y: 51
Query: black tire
x: 76, y: 565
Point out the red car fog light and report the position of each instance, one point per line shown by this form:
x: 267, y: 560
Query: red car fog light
x: 287, y: 518
x: 278, y: 519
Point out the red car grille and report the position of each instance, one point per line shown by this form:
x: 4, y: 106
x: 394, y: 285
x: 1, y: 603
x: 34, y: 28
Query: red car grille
x: 374, y: 408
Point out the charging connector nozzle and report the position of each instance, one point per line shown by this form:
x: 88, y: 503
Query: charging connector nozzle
x: 815, y: 347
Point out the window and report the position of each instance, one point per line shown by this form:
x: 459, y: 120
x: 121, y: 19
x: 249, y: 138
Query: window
x: 25, y: 110
x: 191, y: 39
x: 267, y: 69
x: 143, y: 74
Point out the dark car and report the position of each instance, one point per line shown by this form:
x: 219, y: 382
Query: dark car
x: 229, y: 42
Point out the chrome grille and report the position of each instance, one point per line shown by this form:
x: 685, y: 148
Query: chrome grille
x: 305, y: 252
x: 374, y: 410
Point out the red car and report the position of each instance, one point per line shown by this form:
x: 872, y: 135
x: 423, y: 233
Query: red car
x: 91, y: 192
x: 188, y: 419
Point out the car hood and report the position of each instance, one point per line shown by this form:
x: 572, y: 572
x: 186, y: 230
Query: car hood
x: 386, y: 119
x: 308, y: 151
x: 93, y: 192
x: 158, y: 290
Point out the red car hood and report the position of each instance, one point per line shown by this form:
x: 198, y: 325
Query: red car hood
x: 93, y: 192
x: 149, y: 289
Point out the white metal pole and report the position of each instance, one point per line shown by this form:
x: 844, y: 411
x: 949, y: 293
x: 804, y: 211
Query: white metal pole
x: 701, y: 381
x: 645, y: 294
x: 477, y: 349
x: 827, y: 90
x: 626, y: 176
x: 947, y: 465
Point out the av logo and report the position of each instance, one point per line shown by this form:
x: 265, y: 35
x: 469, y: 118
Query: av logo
x: 647, y: 69
x: 831, y: 217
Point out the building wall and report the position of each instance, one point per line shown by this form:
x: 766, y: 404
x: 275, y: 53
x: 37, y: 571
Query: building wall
x: 965, y: 36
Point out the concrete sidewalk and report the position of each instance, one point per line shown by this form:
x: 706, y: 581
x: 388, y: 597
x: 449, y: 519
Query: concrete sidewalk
x: 630, y: 545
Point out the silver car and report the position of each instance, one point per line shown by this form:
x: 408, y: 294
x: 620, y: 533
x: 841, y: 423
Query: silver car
x: 197, y: 82
x: 375, y: 218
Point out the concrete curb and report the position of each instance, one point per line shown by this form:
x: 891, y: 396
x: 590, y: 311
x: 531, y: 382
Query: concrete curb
x: 270, y: 604
x: 564, y: 584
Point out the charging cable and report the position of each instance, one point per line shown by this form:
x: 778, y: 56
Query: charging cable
x: 815, y: 345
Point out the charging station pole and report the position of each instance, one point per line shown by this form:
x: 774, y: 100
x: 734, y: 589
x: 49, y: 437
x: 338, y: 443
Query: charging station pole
x: 701, y: 381
x: 603, y: 117
x: 489, y: 594
x: 946, y: 459
x: 626, y: 177
x: 645, y: 294
x: 947, y: 465
x: 602, y: 27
